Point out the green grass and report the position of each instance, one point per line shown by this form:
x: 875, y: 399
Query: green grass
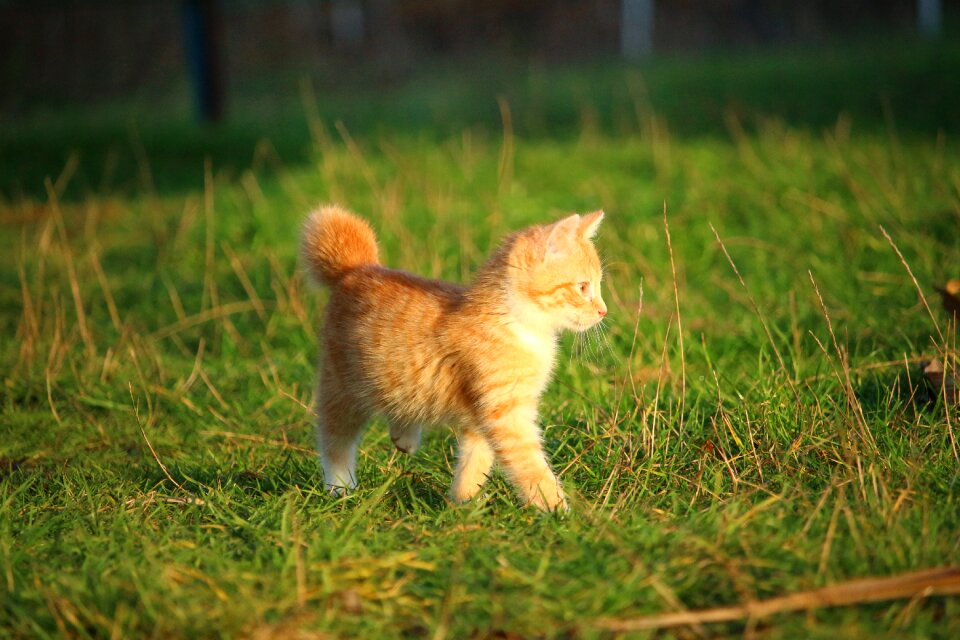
x: 723, y: 442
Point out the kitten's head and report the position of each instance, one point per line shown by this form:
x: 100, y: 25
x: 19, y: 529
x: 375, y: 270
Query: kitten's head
x: 555, y: 274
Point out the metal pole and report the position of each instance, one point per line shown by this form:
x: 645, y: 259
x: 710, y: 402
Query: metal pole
x: 929, y: 17
x: 202, y: 30
x: 636, y: 28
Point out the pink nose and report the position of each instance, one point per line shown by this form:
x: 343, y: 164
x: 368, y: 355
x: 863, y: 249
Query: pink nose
x: 602, y: 312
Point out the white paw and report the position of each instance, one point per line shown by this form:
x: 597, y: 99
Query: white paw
x: 339, y: 479
x: 338, y: 491
x: 548, y: 496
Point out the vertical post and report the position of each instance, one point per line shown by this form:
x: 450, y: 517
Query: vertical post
x: 347, y: 23
x: 636, y: 28
x: 203, y: 37
x: 929, y: 16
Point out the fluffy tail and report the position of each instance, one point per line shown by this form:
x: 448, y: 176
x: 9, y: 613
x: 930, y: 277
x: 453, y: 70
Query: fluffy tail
x: 335, y: 241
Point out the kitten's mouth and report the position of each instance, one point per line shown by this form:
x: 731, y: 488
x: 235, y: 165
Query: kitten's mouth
x: 581, y: 326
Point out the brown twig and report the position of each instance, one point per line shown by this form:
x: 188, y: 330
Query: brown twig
x: 917, y: 584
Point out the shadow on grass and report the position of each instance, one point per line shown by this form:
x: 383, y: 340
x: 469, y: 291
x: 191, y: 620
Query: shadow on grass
x: 411, y: 490
x: 200, y: 479
x: 898, y: 390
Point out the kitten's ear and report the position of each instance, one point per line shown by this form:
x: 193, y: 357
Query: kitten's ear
x: 561, y: 233
x: 589, y: 223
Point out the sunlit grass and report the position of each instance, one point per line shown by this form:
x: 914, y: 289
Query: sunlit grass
x: 751, y: 421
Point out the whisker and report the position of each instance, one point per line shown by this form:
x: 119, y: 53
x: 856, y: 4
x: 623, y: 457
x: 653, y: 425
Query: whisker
x: 603, y: 341
x: 592, y: 338
x: 574, y: 347
x: 588, y: 347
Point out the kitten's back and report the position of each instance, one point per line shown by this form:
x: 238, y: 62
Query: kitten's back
x: 384, y: 338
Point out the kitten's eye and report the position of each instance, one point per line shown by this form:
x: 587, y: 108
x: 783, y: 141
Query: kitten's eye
x: 584, y: 288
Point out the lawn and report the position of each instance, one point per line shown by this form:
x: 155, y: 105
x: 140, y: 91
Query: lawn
x: 752, y: 421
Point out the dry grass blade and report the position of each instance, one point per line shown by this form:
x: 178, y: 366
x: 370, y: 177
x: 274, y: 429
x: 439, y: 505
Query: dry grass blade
x: 505, y: 165
x: 163, y: 467
x: 107, y: 293
x: 759, y: 314
x: 244, y: 279
x: 918, y: 584
x: 916, y: 284
x: 28, y: 331
x: 231, y: 435
x: 629, y: 377
x: 843, y: 374
x: 215, y: 313
x: 355, y: 152
x: 72, y: 277
x: 152, y: 497
x: 676, y: 298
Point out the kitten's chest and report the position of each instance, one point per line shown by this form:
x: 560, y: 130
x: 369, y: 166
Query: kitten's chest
x: 539, y: 346
x: 531, y: 357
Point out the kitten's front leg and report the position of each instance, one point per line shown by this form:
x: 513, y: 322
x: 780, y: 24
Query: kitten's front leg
x: 515, y: 437
x: 474, y: 461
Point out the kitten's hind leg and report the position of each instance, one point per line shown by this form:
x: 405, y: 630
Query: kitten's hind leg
x: 474, y: 461
x: 406, y: 437
x: 339, y: 426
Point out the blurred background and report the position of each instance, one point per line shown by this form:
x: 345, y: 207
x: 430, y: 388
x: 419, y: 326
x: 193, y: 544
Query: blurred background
x: 84, y: 50
x: 77, y: 75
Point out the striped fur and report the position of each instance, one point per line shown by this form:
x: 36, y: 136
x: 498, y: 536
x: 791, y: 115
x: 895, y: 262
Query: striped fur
x: 424, y: 352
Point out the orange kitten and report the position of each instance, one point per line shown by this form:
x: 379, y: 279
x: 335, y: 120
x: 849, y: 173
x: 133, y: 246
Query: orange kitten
x: 423, y: 352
